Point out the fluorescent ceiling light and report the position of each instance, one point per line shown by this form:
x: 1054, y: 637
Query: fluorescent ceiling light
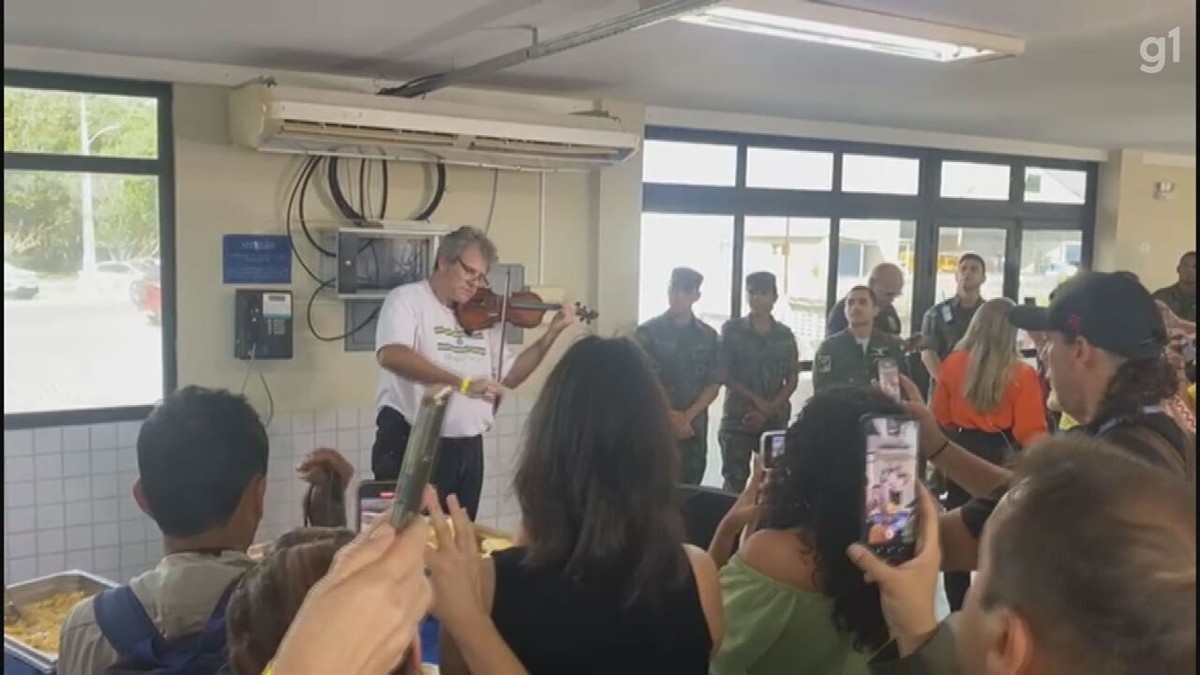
x: 857, y: 29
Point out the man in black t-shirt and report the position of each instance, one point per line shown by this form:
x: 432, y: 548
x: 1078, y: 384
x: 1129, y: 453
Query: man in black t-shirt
x: 1107, y: 367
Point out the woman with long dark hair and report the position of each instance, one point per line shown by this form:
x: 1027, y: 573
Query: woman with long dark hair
x: 795, y: 604
x: 600, y: 580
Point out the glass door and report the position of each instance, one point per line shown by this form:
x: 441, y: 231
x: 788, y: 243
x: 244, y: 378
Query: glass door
x: 701, y: 242
x: 989, y: 240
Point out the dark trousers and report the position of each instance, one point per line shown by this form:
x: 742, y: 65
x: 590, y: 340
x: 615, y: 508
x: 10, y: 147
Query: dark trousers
x: 458, y: 470
x: 993, y: 447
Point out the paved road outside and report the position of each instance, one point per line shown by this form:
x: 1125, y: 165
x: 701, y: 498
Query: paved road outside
x: 67, y: 349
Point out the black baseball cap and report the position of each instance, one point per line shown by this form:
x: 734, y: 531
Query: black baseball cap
x: 1108, y: 309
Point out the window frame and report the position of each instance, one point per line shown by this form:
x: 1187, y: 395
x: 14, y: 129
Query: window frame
x: 927, y: 208
x: 161, y: 167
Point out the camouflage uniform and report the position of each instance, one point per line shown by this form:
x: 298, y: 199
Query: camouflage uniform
x: 685, y: 360
x: 1180, y: 301
x: 760, y: 363
x: 944, y: 326
x: 841, y: 361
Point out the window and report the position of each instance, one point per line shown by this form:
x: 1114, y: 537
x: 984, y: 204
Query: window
x: 1055, y: 186
x: 796, y: 251
x: 875, y: 242
x: 969, y: 180
x: 704, y: 243
x: 1048, y: 258
x: 689, y: 163
x: 987, y: 243
x: 850, y: 259
x: 789, y: 169
x: 780, y: 219
x: 85, y: 171
x: 881, y: 175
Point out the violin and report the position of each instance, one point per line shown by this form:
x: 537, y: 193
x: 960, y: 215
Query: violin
x: 525, y: 309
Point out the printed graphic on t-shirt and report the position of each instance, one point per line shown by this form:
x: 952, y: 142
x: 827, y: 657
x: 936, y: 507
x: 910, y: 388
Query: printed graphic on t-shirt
x: 454, y: 345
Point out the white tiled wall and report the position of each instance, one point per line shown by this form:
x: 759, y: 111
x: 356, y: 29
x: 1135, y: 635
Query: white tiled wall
x: 67, y: 501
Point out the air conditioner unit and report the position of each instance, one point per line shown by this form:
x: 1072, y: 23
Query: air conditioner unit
x: 295, y: 120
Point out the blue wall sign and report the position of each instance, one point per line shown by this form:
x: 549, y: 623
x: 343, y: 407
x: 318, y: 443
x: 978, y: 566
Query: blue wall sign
x: 256, y: 259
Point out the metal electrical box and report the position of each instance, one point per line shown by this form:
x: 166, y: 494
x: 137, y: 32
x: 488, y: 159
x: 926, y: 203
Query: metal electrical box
x: 370, y: 261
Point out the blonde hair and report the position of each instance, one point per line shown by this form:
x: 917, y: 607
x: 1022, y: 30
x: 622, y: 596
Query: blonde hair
x: 991, y: 340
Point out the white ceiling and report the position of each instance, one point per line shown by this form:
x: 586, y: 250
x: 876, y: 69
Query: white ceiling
x: 1078, y: 83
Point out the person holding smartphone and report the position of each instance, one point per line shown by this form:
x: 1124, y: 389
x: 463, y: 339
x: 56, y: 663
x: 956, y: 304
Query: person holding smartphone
x: 794, y: 603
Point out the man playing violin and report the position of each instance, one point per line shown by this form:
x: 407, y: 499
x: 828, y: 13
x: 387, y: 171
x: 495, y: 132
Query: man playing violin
x: 419, y: 342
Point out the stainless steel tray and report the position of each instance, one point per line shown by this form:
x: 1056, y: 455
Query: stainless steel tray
x: 40, y: 589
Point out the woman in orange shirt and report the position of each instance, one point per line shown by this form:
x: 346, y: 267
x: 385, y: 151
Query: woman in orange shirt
x: 989, y: 401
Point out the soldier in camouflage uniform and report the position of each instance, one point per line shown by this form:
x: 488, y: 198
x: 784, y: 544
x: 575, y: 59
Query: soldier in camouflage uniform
x: 683, y: 351
x: 852, y: 357
x: 1181, y: 296
x: 759, y: 361
x: 946, y: 323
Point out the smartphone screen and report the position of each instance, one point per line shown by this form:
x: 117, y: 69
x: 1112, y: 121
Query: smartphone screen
x: 771, y: 446
x: 374, y: 497
x: 890, y: 511
x: 889, y: 378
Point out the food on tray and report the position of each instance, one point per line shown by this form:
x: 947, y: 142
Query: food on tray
x: 491, y: 545
x: 41, y: 622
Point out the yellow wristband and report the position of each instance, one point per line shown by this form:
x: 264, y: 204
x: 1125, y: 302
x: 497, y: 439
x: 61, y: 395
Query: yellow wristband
x: 465, y: 385
x: 269, y: 670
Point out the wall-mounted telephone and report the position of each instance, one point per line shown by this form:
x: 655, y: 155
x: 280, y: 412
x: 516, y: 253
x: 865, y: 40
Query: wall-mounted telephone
x: 262, y: 325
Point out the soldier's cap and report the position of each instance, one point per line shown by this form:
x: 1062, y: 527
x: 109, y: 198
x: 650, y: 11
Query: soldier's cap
x: 686, y: 279
x: 761, y: 282
x: 1108, y: 309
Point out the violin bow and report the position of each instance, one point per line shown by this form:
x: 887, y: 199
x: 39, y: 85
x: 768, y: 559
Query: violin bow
x: 503, y: 332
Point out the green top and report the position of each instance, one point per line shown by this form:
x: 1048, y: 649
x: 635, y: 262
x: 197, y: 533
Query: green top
x: 758, y: 362
x: 1179, y: 300
x: 945, y: 324
x: 684, y: 357
x: 772, y: 628
x: 841, y: 360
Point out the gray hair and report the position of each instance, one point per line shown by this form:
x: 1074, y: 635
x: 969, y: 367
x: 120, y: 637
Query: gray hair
x: 457, y: 242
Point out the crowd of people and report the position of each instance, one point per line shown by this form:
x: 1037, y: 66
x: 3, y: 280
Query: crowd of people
x: 1082, y: 543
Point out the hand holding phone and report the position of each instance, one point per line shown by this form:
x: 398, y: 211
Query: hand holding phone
x: 890, y: 505
x: 889, y: 378
x: 771, y: 446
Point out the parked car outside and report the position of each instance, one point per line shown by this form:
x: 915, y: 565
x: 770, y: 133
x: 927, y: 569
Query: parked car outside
x: 20, y: 283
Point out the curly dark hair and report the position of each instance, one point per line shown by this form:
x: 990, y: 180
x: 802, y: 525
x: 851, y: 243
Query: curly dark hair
x: 1139, y: 383
x: 818, y: 490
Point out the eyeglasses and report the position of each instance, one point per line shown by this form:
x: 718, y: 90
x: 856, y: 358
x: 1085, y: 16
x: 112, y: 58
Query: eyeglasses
x: 474, y: 276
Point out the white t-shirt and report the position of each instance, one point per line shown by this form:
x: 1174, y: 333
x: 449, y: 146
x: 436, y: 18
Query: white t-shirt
x: 413, y: 316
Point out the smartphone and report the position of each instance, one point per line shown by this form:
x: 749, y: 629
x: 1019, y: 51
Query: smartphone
x: 420, y: 455
x: 890, y: 508
x: 771, y: 447
x: 889, y: 378
x: 374, y: 497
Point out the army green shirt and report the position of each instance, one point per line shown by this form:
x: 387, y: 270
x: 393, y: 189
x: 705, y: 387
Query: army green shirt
x: 842, y: 360
x: 760, y: 362
x: 945, y: 324
x: 684, y: 357
x: 1179, y: 300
